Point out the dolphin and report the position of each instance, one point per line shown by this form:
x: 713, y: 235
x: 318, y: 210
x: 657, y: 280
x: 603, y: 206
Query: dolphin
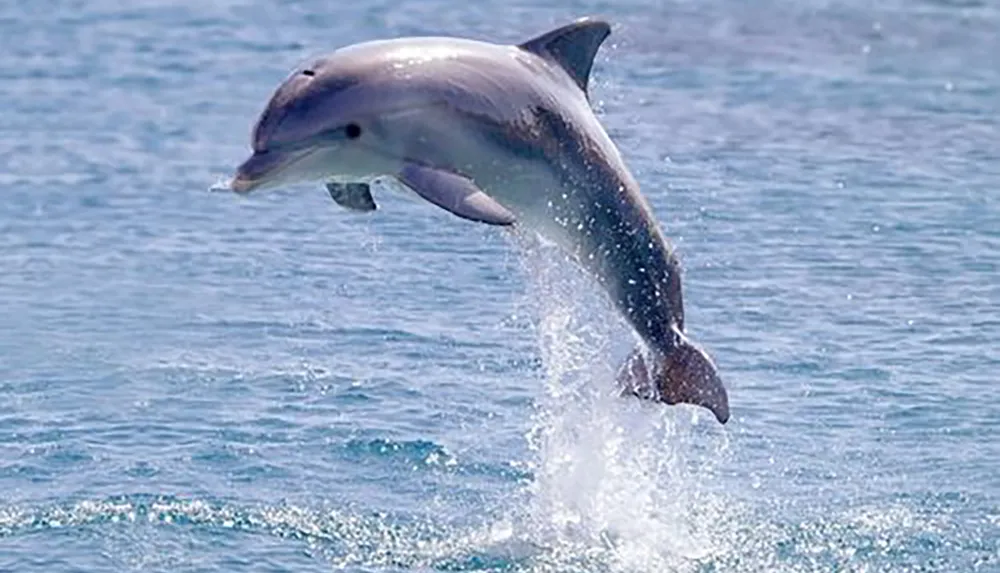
x: 503, y: 135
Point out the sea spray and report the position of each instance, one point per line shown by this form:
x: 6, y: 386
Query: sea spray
x: 612, y: 474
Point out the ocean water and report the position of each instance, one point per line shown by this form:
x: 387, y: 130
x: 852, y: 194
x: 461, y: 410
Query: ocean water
x: 195, y: 382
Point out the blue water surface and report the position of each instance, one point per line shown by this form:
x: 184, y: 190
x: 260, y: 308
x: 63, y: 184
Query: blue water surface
x: 194, y: 381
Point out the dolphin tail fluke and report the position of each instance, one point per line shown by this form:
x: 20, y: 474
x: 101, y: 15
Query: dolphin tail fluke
x: 683, y: 375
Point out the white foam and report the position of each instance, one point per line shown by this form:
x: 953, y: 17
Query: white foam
x: 223, y: 184
x: 612, y: 475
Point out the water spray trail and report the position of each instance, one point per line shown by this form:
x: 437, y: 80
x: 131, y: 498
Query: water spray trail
x: 611, y: 473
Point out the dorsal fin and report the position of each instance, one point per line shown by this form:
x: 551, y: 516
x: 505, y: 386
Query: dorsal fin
x: 573, y: 47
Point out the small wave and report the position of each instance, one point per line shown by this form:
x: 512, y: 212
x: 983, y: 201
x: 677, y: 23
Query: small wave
x: 412, y: 451
x: 342, y: 538
x: 877, y: 538
x: 223, y: 184
x: 429, y: 455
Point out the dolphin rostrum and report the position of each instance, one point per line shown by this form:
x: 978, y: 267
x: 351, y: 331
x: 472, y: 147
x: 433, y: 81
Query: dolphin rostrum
x: 503, y: 135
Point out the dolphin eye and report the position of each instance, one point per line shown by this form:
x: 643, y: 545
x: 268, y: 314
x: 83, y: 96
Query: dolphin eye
x: 309, y: 73
x: 353, y: 131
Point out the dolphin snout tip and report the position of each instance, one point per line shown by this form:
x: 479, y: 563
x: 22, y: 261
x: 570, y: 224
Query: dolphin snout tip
x: 263, y: 169
x: 236, y: 184
x: 242, y: 184
x: 223, y: 185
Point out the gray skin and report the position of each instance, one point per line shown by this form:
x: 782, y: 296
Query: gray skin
x: 499, y: 134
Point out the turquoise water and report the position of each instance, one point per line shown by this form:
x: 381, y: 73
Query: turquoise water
x: 193, y: 381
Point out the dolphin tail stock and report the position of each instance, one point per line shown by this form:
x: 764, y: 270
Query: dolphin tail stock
x: 682, y: 374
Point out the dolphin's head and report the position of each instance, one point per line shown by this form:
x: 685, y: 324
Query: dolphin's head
x: 327, y: 121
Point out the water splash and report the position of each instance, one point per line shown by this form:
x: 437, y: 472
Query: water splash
x: 224, y: 184
x: 616, y: 476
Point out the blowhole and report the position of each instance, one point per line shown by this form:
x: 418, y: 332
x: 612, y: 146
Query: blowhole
x: 309, y: 73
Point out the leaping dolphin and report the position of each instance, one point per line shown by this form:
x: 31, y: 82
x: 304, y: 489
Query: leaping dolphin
x: 503, y: 135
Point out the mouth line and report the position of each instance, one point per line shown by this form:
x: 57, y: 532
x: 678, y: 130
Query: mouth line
x: 241, y: 184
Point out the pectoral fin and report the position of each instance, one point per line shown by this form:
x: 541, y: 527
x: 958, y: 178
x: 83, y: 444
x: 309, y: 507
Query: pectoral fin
x: 455, y: 193
x: 353, y: 196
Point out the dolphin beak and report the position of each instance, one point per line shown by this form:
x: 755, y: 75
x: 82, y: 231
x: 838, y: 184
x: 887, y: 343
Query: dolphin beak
x: 262, y: 168
x: 240, y: 184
